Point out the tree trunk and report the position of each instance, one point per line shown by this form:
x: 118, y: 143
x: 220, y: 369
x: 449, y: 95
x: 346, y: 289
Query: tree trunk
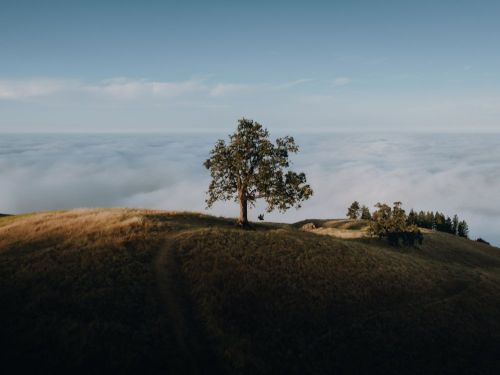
x: 243, y: 220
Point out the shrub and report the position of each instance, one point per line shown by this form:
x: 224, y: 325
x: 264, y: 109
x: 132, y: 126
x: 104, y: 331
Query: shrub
x: 483, y: 241
x: 393, y: 225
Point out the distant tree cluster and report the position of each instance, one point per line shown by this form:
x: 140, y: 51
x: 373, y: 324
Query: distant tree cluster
x: 392, y: 224
x: 438, y: 221
x: 355, y: 211
x: 430, y: 219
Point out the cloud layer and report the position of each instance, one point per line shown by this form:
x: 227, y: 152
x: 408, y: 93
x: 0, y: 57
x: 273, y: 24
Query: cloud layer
x: 450, y: 173
x: 203, y: 103
x: 21, y: 89
x: 127, y: 88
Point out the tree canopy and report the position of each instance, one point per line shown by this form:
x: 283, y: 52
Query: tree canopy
x: 365, y: 213
x: 392, y: 223
x: 353, y: 212
x: 249, y: 167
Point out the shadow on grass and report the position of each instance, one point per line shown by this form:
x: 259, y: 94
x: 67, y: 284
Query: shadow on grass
x: 187, y: 220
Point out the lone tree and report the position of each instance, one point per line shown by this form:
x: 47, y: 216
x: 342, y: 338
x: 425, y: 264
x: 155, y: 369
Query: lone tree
x: 250, y: 167
x: 354, y: 210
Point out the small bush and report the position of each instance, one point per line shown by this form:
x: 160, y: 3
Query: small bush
x: 483, y: 241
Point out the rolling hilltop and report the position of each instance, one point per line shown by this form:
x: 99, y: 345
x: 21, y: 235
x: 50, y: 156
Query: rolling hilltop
x: 152, y: 291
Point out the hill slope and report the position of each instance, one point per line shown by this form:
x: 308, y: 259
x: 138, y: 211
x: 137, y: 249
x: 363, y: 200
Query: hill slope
x: 151, y: 291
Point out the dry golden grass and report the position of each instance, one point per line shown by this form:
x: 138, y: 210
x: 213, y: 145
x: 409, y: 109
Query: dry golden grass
x: 345, y: 229
x: 340, y: 233
x: 79, y: 293
x: 347, y: 224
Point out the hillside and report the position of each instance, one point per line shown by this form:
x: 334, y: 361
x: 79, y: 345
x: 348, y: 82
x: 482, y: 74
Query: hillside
x: 152, y: 291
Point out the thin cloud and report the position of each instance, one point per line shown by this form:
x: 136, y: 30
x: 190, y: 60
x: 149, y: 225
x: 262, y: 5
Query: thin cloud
x: 22, y: 89
x: 234, y: 88
x: 342, y: 81
x: 297, y: 82
x: 123, y: 88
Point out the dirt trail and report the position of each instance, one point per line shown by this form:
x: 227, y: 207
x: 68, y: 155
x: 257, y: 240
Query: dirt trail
x: 196, y: 356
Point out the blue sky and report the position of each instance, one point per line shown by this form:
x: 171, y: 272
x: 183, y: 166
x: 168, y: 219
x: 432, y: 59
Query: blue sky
x: 131, y: 66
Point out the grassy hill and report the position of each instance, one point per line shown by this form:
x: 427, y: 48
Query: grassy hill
x: 138, y: 290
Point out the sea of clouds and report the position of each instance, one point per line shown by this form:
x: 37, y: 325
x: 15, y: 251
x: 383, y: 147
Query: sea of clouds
x: 452, y: 173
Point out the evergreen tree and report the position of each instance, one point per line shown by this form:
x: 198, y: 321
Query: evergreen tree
x: 421, y: 220
x: 454, y: 226
x: 463, y: 229
x: 431, y: 220
x: 412, y: 218
x: 439, y: 222
x: 448, y: 225
x: 365, y: 213
x: 353, y: 211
